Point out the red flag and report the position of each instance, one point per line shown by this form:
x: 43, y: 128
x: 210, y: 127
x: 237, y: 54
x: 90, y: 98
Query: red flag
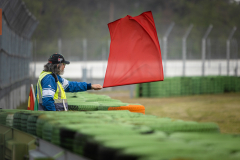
x: 31, y: 99
x: 135, y: 55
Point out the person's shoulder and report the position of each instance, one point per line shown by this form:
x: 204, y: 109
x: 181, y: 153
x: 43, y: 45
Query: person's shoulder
x: 48, y: 77
x: 48, y: 81
x: 60, y: 78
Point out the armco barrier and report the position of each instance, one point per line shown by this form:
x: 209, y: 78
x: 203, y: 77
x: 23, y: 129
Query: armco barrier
x: 181, y: 86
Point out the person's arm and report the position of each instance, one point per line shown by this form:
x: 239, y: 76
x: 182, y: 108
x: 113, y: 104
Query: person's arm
x: 49, y: 87
x: 72, y: 86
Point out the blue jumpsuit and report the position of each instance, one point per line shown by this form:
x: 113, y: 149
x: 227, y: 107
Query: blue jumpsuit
x: 49, y: 87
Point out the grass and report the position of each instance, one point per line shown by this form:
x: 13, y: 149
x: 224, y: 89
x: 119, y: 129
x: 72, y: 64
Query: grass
x: 223, y: 109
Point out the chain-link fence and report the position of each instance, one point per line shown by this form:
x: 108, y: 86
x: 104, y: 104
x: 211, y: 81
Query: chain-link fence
x: 214, y: 48
x: 18, y: 25
x: 215, y: 44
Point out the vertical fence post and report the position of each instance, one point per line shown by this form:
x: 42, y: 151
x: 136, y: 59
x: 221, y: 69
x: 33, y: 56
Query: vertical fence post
x: 160, y: 41
x: 59, y: 46
x: 204, y: 48
x: 219, y: 69
x: 228, y: 47
x: 209, y: 51
x: 84, y: 69
x: 236, y: 71
x: 165, y: 49
x: 103, y: 59
x: 132, y: 90
x: 184, y: 47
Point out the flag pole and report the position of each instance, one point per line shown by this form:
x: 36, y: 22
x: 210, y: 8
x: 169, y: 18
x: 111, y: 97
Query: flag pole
x: 33, y: 93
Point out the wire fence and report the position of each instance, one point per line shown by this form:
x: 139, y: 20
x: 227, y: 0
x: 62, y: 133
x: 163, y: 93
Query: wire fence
x: 18, y: 25
x: 181, y: 43
x: 15, y: 57
x: 215, y: 47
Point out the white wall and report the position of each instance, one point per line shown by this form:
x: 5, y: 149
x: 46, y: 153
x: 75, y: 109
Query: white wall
x: 174, y: 68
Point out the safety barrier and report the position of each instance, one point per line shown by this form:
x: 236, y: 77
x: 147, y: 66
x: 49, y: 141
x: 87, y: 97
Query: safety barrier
x: 180, y: 86
x: 83, y: 101
x: 119, y: 135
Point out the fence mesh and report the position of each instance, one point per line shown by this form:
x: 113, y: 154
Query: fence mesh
x: 215, y: 44
x: 18, y: 25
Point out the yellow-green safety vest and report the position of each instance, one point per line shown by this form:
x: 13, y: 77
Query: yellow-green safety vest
x: 59, y: 97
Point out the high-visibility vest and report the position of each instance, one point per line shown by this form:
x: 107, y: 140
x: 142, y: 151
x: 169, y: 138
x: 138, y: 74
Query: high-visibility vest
x: 59, y: 96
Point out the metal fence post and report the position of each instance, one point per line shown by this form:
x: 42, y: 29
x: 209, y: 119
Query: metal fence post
x: 84, y: 69
x: 84, y: 49
x: 228, y: 47
x: 184, y: 47
x: 204, y: 48
x: 59, y: 46
x: 103, y: 59
x: 209, y: 51
x: 236, y: 71
x: 165, y: 38
x: 219, y: 69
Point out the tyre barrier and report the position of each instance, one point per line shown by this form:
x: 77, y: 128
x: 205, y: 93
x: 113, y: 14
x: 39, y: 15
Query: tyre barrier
x: 83, y: 101
x: 121, y: 134
x: 181, y: 86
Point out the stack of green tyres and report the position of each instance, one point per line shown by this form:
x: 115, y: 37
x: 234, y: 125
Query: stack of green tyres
x: 117, y: 135
x: 231, y: 84
x: 32, y: 122
x: 24, y: 118
x: 228, y: 85
x: 83, y: 106
x: 4, y: 118
x: 107, y: 104
x: 18, y: 122
x: 59, y: 136
x: 150, y: 90
x: 91, y: 102
x: 218, y: 85
x: 196, y: 82
x: 236, y: 84
x: 177, y: 86
x: 169, y: 126
x: 87, y: 134
x: 53, y: 126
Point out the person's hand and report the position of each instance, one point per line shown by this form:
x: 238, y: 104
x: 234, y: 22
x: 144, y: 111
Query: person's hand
x: 96, y: 86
